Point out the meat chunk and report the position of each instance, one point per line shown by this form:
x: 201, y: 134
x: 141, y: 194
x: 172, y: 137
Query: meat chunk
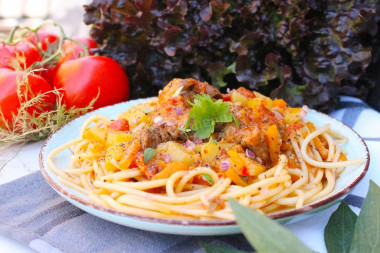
x: 190, y: 87
x: 251, y: 132
x: 151, y: 137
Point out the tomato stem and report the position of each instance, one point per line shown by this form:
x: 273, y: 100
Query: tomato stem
x: 47, y: 57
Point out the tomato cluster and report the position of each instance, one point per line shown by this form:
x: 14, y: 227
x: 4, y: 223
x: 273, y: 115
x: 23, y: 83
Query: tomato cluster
x: 78, y: 77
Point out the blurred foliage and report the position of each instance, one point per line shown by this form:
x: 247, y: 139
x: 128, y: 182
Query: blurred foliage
x: 305, y: 51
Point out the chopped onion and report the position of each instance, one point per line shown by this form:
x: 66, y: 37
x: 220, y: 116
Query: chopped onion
x: 179, y: 111
x: 170, y: 123
x: 189, y: 145
x: 259, y: 160
x: 304, y: 111
x: 159, y: 121
x: 197, y: 140
x: 134, y: 121
x: 224, y: 165
x: 249, y: 153
x: 167, y: 158
x: 278, y: 115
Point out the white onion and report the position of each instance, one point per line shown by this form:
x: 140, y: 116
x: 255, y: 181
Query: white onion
x: 224, y: 165
x: 304, y: 111
x: 249, y: 153
x: 159, y: 121
x: 179, y: 111
x: 197, y: 140
x: 278, y: 115
x: 189, y: 145
x: 167, y: 158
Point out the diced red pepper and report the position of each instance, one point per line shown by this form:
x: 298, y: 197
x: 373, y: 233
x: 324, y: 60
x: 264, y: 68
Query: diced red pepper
x: 119, y: 125
x: 245, y: 171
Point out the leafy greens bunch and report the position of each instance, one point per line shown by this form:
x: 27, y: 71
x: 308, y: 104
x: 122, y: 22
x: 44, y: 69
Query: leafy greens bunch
x: 306, y: 51
x: 344, y: 232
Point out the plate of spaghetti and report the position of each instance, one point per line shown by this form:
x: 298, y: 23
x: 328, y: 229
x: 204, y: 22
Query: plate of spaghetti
x: 169, y: 164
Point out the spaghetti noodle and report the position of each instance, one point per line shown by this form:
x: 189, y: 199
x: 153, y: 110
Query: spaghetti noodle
x: 273, y: 160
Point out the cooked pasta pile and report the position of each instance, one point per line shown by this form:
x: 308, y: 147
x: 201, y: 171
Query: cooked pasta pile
x: 152, y: 161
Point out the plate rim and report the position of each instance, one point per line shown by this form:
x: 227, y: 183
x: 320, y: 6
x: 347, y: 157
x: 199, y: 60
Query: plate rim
x: 277, y: 216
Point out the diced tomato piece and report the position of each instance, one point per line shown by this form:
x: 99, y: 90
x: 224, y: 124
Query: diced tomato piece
x: 226, y: 97
x: 119, y: 125
x: 245, y: 92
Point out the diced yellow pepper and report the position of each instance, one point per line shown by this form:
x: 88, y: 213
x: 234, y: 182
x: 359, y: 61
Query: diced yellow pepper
x: 231, y: 173
x: 130, y: 154
x: 240, y: 160
x: 292, y: 115
x: 254, y: 103
x: 113, y: 155
x: 273, y: 143
x: 209, y: 151
x: 237, y: 97
x: 95, y: 133
x: 170, y: 170
x: 113, y: 138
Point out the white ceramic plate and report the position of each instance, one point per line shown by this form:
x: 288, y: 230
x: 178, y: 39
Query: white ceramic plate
x: 346, y: 182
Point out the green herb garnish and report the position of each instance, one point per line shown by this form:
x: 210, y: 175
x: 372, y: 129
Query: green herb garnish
x: 185, y: 131
x: 206, y: 113
x: 207, y: 178
x: 212, y: 140
x: 149, y: 153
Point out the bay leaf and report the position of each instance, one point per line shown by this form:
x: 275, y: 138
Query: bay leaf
x: 209, y: 248
x: 367, y: 228
x: 340, y: 229
x: 265, y: 234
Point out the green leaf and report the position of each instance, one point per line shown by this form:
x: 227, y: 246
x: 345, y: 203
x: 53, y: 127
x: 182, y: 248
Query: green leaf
x: 213, y: 141
x: 367, y: 228
x: 207, y: 178
x: 209, y: 248
x: 149, y: 153
x: 203, y: 129
x: 340, y: 229
x: 264, y: 234
x: 222, y: 111
x: 237, y: 122
x: 206, y: 113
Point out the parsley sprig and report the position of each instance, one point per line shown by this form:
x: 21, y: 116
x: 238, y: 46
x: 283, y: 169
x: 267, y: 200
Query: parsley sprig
x: 206, y: 113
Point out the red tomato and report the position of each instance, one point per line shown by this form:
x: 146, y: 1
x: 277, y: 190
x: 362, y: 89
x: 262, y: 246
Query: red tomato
x: 119, y: 125
x: 72, y: 50
x: 9, y: 101
x: 6, y: 55
x: 46, y: 39
x: 24, y: 53
x: 83, y: 78
x: 48, y: 73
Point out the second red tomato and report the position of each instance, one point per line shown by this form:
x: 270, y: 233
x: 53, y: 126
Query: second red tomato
x: 81, y: 80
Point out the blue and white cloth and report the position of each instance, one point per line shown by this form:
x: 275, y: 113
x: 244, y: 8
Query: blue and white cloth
x: 32, y: 213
